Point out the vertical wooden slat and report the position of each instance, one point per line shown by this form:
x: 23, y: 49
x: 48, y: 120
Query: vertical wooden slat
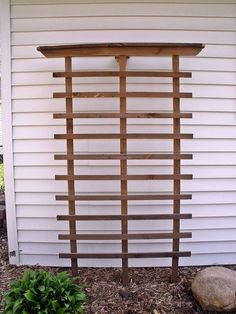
x: 123, y: 168
x: 176, y: 166
x: 70, y: 164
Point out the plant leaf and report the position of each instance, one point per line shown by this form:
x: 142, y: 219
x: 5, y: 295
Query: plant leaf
x: 44, y: 293
x: 41, y: 288
x: 29, y: 296
x: 17, y: 305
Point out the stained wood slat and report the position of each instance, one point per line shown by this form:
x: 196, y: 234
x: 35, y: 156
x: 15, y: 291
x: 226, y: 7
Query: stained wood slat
x: 70, y: 165
x: 122, y: 156
x: 128, y: 255
x: 123, y: 169
x: 121, y: 73
x: 118, y: 49
x: 130, y: 236
x: 123, y: 136
x: 116, y: 115
x: 127, y: 217
x: 116, y: 94
x: 125, y: 177
x: 176, y: 166
x: 123, y: 197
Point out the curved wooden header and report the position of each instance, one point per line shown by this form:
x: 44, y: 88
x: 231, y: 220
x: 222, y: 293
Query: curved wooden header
x: 118, y: 49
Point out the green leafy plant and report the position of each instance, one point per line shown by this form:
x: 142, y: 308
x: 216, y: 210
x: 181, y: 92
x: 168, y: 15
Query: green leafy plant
x: 2, y: 184
x: 44, y: 293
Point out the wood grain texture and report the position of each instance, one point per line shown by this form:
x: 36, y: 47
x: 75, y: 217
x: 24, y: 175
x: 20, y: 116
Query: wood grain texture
x: 125, y: 177
x: 122, y: 73
x: 122, y: 156
x: 127, y: 217
x: 122, y: 136
x: 177, y: 166
x: 126, y: 255
x: 120, y: 94
x: 70, y: 166
x: 123, y: 197
x: 118, y: 115
x: 118, y: 49
x: 125, y: 237
x: 123, y: 170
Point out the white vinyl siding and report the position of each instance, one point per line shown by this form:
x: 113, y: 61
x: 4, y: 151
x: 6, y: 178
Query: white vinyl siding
x: 0, y: 124
x: 213, y: 205
x: 0, y: 98
x: 6, y: 89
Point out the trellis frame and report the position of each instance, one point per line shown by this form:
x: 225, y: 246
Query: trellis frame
x: 122, y: 51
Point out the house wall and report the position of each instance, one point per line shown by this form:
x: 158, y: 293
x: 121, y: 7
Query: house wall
x: 0, y: 99
x: 6, y: 96
x: 1, y: 151
x: 51, y: 22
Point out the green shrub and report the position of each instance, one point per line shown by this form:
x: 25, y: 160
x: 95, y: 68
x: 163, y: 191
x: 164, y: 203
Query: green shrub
x: 44, y: 293
x: 2, y: 185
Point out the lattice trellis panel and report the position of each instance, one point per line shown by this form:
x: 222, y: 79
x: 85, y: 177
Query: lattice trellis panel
x: 122, y: 52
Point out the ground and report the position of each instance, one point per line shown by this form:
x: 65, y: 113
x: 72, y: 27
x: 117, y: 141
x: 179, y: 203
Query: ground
x: 150, y: 290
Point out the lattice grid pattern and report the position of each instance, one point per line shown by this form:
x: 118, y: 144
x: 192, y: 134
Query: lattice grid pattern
x: 122, y: 52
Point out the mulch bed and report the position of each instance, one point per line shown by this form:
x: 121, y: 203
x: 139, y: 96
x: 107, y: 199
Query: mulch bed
x: 150, y: 290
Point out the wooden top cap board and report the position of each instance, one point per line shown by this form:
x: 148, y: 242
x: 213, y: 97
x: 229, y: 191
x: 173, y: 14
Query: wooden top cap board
x: 117, y: 49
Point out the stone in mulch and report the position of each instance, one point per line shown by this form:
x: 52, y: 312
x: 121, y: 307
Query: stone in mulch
x: 215, y: 289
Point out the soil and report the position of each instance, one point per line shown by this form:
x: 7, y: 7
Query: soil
x: 150, y: 289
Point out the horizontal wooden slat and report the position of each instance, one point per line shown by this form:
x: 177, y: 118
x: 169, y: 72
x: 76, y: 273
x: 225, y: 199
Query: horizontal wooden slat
x: 95, y: 115
x: 116, y: 73
x: 131, y: 236
x: 125, y: 177
x: 125, y: 255
x: 133, y: 51
x: 124, y: 217
x: 121, y: 156
x: 123, y: 197
x: 122, y: 136
x: 117, y: 49
x: 117, y: 94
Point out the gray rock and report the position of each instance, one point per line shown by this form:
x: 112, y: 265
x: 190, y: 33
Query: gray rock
x: 215, y: 289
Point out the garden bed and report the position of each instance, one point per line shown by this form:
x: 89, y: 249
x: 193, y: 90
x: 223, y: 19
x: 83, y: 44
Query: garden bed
x: 149, y: 291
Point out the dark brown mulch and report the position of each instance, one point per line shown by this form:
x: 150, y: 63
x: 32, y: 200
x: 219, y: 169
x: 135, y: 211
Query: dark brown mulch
x: 149, y: 291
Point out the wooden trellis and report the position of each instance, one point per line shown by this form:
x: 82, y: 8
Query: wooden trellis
x: 122, y: 52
